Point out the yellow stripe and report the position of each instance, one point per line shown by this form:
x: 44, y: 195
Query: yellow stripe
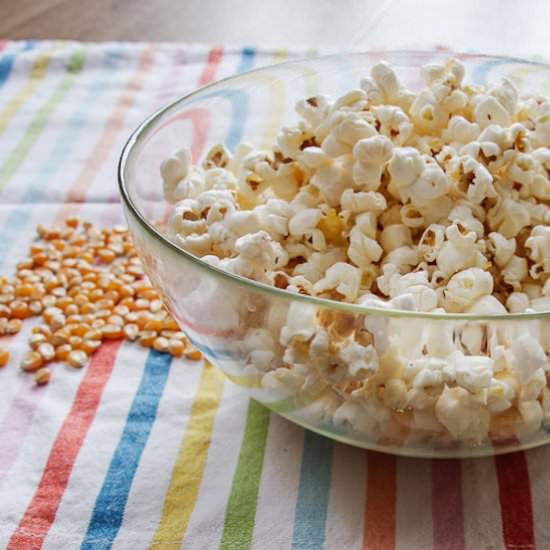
x: 38, y: 71
x: 188, y: 470
x: 277, y: 106
x: 251, y: 382
x: 280, y: 55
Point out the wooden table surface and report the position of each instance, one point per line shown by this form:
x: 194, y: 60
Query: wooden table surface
x: 492, y: 26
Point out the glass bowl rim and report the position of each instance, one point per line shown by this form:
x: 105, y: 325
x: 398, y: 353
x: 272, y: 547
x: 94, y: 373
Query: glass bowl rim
x: 142, y: 130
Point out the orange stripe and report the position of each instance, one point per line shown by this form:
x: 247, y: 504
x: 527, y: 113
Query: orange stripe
x: 80, y: 187
x: 379, y: 533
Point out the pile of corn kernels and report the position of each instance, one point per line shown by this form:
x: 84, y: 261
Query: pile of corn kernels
x: 88, y: 286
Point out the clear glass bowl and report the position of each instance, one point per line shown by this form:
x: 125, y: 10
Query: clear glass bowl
x: 217, y: 310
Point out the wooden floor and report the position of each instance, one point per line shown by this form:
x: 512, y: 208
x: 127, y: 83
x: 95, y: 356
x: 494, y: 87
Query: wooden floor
x: 491, y: 26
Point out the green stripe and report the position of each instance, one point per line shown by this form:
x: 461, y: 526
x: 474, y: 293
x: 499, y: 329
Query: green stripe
x: 18, y: 155
x: 296, y: 401
x: 240, y: 513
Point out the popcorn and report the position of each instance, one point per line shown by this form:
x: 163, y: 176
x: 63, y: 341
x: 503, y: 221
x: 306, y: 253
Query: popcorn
x: 347, y: 128
x: 471, y: 179
x: 332, y: 178
x: 465, y: 417
x: 460, y: 131
x: 340, y: 279
x: 541, y: 118
x: 508, y: 217
x: 370, y: 156
x: 538, y: 244
x: 428, y: 114
x: 395, y: 236
x: 256, y: 254
x: 314, y: 110
x: 488, y: 110
x: 304, y: 223
x: 404, y: 168
x: 217, y: 157
x: 501, y: 248
x: 387, y: 81
x: 458, y: 251
x: 432, y: 201
x: 529, y: 356
x: 393, y: 123
x: 361, y: 201
x: 514, y: 272
x: 474, y: 372
x: 181, y: 180
x: 466, y: 286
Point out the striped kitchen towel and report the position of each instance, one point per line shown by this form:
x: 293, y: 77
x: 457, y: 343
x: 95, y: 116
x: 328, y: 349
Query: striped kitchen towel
x: 142, y: 451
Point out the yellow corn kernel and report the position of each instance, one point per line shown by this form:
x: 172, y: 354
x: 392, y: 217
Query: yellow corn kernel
x: 24, y: 291
x: 42, y: 376
x: 146, y: 338
x: 193, y: 355
x: 112, y: 332
x: 154, y: 325
x: 80, y: 329
x: 90, y: 346
x: 93, y: 334
x: 175, y: 347
x: 13, y: 326
x: 115, y: 320
x: 47, y: 351
x: 142, y: 319
x: 19, y: 310
x: 71, y: 309
x: 4, y: 356
x: 35, y: 307
x: 31, y: 361
x: 77, y: 359
x: 105, y: 255
x: 331, y: 226
x: 62, y: 352
x: 42, y: 329
x: 60, y: 338
x: 121, y: 310
x: 161, y: 344
x: 75, y: 342
x: 131, y: 331
x: 169, y: 323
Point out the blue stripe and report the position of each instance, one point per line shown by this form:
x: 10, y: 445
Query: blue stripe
x: 247, y: 59
x: 479, y: 76
x: 238, y: 99
x: 215, y: 353
x: 111, y: 500
x: 37, y: 188
x: 6, y: 61
x: 239, y: 114
x: 313, y: 493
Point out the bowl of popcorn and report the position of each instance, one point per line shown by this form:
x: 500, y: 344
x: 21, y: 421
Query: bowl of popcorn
x: 362, y: 241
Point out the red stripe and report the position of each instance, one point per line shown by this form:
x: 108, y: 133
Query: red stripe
x: 40, y: 513
x: 515, y: 501
x: 3, y: 44
x: 447, y: 505
x: 200, y: 120
x: 214, y: 57
x: 379, y: 533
